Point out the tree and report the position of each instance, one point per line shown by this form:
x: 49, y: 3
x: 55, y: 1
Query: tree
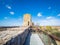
x: 49, y: 28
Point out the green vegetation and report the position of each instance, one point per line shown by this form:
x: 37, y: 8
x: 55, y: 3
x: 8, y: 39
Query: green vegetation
x: 41, y: 27
x: 48, y: 28
x: 53, y: 31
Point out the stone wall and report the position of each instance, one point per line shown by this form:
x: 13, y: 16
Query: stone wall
x: 23, y: 36
x: 19, y: 39
x: 13, y: 36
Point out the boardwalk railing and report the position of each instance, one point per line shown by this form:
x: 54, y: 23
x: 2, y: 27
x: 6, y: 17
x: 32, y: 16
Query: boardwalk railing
x: 51, y: 35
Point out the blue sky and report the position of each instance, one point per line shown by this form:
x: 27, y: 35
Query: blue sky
x: 43, y: 12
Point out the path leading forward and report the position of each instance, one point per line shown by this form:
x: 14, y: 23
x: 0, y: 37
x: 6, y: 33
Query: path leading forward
x: 33, y: 39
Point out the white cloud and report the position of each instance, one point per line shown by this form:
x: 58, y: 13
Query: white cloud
x: 49, y: 22
x: 39, y: 14
x: 49, y: 17
x: 11, y: 22
x: 49, y: 7
x: 5, y: 17
x: 9, y: 7
x: 58, y: 15
x: 12, y: 13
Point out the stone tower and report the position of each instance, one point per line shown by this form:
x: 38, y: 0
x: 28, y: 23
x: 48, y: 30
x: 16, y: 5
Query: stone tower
x: 27, y: 21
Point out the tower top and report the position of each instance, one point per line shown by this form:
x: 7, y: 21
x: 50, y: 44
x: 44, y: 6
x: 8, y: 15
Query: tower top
x: 27, y: 15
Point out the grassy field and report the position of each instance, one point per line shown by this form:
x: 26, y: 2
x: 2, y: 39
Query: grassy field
x: 54, y: 31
